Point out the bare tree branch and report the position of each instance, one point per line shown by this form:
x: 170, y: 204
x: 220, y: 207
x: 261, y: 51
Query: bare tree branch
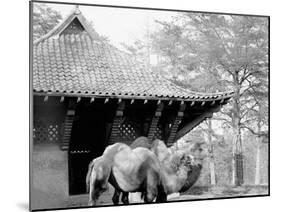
x: 265, y: 134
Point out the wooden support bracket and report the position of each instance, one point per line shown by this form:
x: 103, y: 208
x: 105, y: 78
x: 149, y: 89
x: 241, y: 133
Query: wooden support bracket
x: 117, y: 121
x: 67, y: 129
x: 176, y: 123
x: 155, y: 120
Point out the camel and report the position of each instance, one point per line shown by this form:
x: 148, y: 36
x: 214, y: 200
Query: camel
x: 127, y: 170
x: 179, y: 171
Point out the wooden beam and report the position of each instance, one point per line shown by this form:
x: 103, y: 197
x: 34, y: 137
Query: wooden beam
x: 121, y: 106
x: 192, y: 124
x: 46, y: 98
x: 182, y: 107
x: 128, y: 97
x: 62, y: 99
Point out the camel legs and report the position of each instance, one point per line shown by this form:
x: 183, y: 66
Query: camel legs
x: 151, y: 186
x: 116, y: 195
x: 161, y: 195
x: 125, y: 198
x: 115, y: 198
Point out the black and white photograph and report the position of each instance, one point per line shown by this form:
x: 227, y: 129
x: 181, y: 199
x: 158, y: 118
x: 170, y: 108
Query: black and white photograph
x: 146, y: 105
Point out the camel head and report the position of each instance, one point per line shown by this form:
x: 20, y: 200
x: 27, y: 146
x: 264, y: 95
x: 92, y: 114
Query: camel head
x: 195, y: 148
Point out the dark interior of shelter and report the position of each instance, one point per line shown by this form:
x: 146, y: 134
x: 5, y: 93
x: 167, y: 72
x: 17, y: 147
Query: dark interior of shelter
x: 102, y: 122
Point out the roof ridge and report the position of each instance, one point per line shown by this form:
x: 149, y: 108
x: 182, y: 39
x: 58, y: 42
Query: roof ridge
x: 75, y: 13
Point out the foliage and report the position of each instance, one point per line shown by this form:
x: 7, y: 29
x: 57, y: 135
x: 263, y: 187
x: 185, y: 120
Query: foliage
x: 209, y: 53
x: 44, y: 19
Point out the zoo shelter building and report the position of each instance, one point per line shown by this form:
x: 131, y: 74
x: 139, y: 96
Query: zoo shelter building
x: 87, y: 94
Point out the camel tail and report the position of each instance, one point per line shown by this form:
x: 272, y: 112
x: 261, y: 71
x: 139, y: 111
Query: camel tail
x: 90, y: 169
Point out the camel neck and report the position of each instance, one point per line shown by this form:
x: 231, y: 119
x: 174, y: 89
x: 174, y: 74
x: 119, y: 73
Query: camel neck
x: 174, y: 181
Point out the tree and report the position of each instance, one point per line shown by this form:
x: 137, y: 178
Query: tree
x: 44, y: 19
x: 234, y: 48
x: 258, y: 117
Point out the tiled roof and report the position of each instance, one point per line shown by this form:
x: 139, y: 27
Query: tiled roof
x: 77, y: 64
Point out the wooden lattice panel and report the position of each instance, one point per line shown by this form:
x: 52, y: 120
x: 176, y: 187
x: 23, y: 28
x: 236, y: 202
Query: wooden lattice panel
x: 45, y: 132
x: 158, y: 133
x: 124, y: 131
x: 115, y: 129
x: 128, y: 131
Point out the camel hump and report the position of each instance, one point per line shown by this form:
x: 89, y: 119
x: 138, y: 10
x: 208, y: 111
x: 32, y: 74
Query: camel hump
x: 115, y: 148
x: 147, y: 156
x: 141, y: 142
x: 142, y: 151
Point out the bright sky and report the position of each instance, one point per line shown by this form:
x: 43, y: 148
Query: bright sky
x: 119, y: 24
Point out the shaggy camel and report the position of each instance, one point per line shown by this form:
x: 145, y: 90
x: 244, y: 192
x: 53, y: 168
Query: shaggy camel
x: 178, y: 172
x: 127, y: 170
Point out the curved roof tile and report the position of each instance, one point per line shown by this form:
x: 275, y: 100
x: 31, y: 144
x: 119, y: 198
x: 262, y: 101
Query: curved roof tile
x: 81, y: 64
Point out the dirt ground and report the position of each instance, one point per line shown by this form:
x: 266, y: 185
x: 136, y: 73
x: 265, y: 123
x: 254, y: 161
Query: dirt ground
x: 193, y: 194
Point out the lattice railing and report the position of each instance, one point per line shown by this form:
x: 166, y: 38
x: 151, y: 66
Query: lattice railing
x: 45, y: 132
x: 128, y: 132
x: 158, y: 133
x: 124, y: 131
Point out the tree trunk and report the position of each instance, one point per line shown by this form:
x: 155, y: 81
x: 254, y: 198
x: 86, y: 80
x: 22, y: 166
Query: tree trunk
x: 257, y: 174
x: 233, y: 176
x: 237, y: 160
x: 211, y: 154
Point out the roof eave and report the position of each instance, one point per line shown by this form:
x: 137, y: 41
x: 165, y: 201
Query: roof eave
x: 226, y: 96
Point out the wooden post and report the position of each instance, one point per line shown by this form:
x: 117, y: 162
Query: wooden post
x: 67, y: 126
x: 176, y: 124
x: 118, y: 119
x: 155, y: 120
